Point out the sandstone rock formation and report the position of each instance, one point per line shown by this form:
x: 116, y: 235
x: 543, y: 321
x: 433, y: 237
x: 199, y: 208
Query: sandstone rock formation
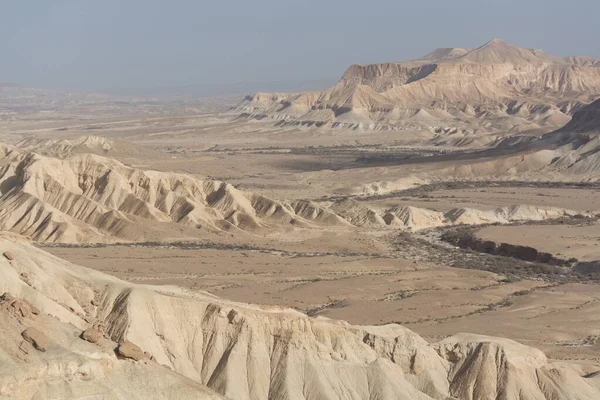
x: 36, y: 338
x: 572, y: 151
x: 82, y: 145
x: 244, y: 351
x: 88, y: 198
x: 91, y: 335
x: 85, y: 198
x: 130, y: 350
x: 19, y: 307
x: 507, y: 85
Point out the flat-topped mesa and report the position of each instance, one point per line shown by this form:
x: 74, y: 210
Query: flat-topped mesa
x: 276, y: 105
x: 454, y: 86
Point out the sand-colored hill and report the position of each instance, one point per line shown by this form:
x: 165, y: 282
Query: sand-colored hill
x: 82, y: 145
x: 569, y: 153
x: 500, y: 82
x: 416, y: 218
x: 357, y: 214
x: 193, y: 344
x: 496, y: 51
x: 447, y: 53
x: 413, y: 217
x: 515, y: 213
x: 85, y: 198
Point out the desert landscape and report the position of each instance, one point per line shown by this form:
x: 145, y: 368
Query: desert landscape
x: 423, y: 229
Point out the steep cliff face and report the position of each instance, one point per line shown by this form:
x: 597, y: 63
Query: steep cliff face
x: 382, y: 77
x: 447, y: 85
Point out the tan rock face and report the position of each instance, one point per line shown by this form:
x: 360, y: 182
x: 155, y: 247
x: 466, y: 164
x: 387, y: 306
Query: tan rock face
x: 25, y: 309
x: 107, y: 189
x: 130, y: 350
x: 9, y: 255
x: 37, y: 338
x: 91, y: 335
x: 244, y: 351
x: 22, y: 308
x: 445, y: 86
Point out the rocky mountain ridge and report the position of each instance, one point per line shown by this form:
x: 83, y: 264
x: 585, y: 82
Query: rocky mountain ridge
x: 510, y: 87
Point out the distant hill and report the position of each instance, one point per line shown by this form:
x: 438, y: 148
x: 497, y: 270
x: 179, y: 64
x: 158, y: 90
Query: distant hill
x: 508, y: 86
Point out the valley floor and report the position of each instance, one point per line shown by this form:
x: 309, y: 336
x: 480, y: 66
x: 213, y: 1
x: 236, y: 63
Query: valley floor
x: 366, y: 275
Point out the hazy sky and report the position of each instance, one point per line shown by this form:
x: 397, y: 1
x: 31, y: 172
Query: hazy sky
x: 111, y: 44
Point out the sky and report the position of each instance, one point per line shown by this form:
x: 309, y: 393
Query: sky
x: 91, y: 45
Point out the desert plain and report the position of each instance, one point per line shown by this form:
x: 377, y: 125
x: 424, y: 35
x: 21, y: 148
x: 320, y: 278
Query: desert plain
x: 394, y: 197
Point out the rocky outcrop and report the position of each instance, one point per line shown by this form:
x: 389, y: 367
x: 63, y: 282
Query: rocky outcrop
x: 226, y: 347
x: 21, y: 308
x: 497, y: 81
x: 36, y: 338
x: 131, y: 351
x: 89, y: 198
x: 415, y: 218
x: 25, y: 309
x: 63, y: 148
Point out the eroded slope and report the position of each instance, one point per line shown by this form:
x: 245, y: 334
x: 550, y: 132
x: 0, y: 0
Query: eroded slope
x: 511, y: 87
x: 250, y: 352
x: 87, y: 198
